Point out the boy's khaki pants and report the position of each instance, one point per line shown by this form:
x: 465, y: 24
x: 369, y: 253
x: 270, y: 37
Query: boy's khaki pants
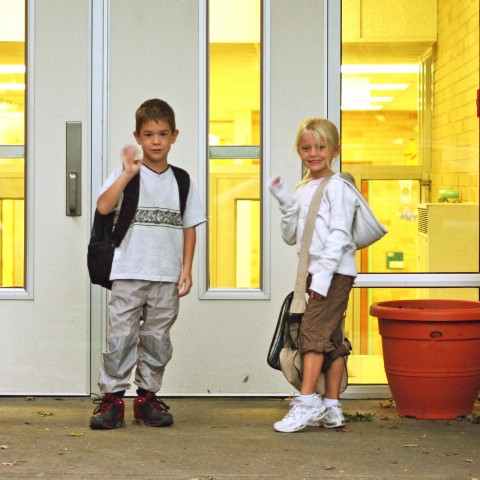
x: 141, y: 314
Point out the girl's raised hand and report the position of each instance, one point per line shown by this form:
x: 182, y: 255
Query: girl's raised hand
x: 275, y: 181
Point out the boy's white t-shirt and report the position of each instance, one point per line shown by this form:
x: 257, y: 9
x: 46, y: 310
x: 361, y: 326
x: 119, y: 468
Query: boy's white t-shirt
x: 153, y: 246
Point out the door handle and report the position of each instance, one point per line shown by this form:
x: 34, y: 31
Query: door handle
x: 72, y: 207
x: 74, y: 169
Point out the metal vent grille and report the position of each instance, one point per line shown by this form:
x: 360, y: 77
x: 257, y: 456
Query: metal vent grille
x: 423, y: 220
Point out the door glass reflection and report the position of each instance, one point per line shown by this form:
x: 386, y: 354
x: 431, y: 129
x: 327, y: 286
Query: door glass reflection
x: 12, y: 140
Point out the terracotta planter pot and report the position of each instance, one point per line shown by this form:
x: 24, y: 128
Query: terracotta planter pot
x: 431, y: 353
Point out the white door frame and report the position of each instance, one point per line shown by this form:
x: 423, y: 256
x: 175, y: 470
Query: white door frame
x: 46, y: 329
x: 99, y: 169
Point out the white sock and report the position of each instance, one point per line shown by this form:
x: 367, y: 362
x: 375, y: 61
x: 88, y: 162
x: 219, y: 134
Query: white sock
x: 307, y: 399
x: 329, y: 402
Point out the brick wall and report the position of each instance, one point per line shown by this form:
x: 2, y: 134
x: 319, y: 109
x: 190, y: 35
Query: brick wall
x: 455, y: 156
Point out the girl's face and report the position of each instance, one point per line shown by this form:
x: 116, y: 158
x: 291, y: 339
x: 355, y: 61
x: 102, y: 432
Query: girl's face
x: 314, y: 155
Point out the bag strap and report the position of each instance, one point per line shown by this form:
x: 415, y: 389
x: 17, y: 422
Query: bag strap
x: 127, y: 210
x: 129, y: 204
x: 298, y: 302
x: 183, y: 182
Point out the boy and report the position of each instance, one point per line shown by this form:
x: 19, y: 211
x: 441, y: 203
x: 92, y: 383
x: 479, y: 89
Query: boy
x: 151, y: 269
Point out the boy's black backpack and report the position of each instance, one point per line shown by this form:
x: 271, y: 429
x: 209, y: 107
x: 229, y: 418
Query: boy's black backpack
x: 108, y: 230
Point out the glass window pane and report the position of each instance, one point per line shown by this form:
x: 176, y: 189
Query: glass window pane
x: 380, y: 113
x: 436, y: 237
x: 410, y: 138
x: 234, y: 99
x: 12, y: 135
x: 410, y: 131
x: 234, y: 232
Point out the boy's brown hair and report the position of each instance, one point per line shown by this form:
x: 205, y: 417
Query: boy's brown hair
x: 156, y: 110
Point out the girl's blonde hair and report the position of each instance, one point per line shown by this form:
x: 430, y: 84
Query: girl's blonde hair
x: 320, y: 128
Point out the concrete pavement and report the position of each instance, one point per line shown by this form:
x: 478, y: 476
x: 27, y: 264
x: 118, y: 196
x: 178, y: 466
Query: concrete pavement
x: 229, y: 439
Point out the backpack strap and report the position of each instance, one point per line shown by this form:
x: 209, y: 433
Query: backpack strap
x: 183, y: 181
x: 131, y: 195
x: 127, y: 209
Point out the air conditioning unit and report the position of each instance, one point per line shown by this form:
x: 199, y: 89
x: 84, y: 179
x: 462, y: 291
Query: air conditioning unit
x: 447, y: 240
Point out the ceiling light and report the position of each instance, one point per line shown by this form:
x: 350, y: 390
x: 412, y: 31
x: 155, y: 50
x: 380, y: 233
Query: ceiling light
x: 381, y: 68
x: 12, y: 68
x: 12, y: 86
x: 389, y: 86
x: 381, y: 99
x: 360, y: 107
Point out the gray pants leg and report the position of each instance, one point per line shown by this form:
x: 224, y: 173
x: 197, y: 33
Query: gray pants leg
x: 130, y: 342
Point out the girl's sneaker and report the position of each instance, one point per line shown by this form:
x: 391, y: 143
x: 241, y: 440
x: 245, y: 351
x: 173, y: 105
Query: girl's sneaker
x: 333, y: 418
x: 301, y: 416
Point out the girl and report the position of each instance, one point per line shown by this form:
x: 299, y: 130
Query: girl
x: 331, y: 273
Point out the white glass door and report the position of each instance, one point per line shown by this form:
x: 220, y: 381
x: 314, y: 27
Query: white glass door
x: 44, y: 310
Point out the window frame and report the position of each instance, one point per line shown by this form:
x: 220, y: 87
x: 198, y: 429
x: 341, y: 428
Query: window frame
x: 205, y: 291
x: 23, y: 151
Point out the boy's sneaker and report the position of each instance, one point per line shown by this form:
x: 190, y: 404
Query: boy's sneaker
x: 301, y: 415
x: 334, y: 418
x: 149, y: 410
x: 109, y: 413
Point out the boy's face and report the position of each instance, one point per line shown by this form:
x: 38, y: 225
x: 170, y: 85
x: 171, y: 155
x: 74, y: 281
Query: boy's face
x: 156, y: 139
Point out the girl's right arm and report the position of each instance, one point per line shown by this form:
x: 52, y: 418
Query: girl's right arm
x: 109, y: 199
x: 288, y: 207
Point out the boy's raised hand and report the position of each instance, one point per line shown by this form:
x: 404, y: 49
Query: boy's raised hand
x: 131, y: 164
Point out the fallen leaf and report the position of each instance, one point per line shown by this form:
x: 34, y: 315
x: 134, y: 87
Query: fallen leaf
x: 329, y: 467
x: 423, y: 436
x: 3, y: 447
x: 474, y: 418
x: 76, y: 434
x: 388, y: 404
x: 359, y: 417
x: 343, y: 429
x: 46, y: 414
x: 468, y: 460
x: 9, y: 463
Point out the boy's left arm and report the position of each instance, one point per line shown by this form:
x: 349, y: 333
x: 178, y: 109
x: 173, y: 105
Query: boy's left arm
x: 185, y: 281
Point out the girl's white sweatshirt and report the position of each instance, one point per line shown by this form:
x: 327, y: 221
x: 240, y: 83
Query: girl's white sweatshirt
x: 332, y: 249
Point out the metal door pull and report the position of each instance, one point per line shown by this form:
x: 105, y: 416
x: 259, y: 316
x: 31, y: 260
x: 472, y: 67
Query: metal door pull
x: 74, y: 169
